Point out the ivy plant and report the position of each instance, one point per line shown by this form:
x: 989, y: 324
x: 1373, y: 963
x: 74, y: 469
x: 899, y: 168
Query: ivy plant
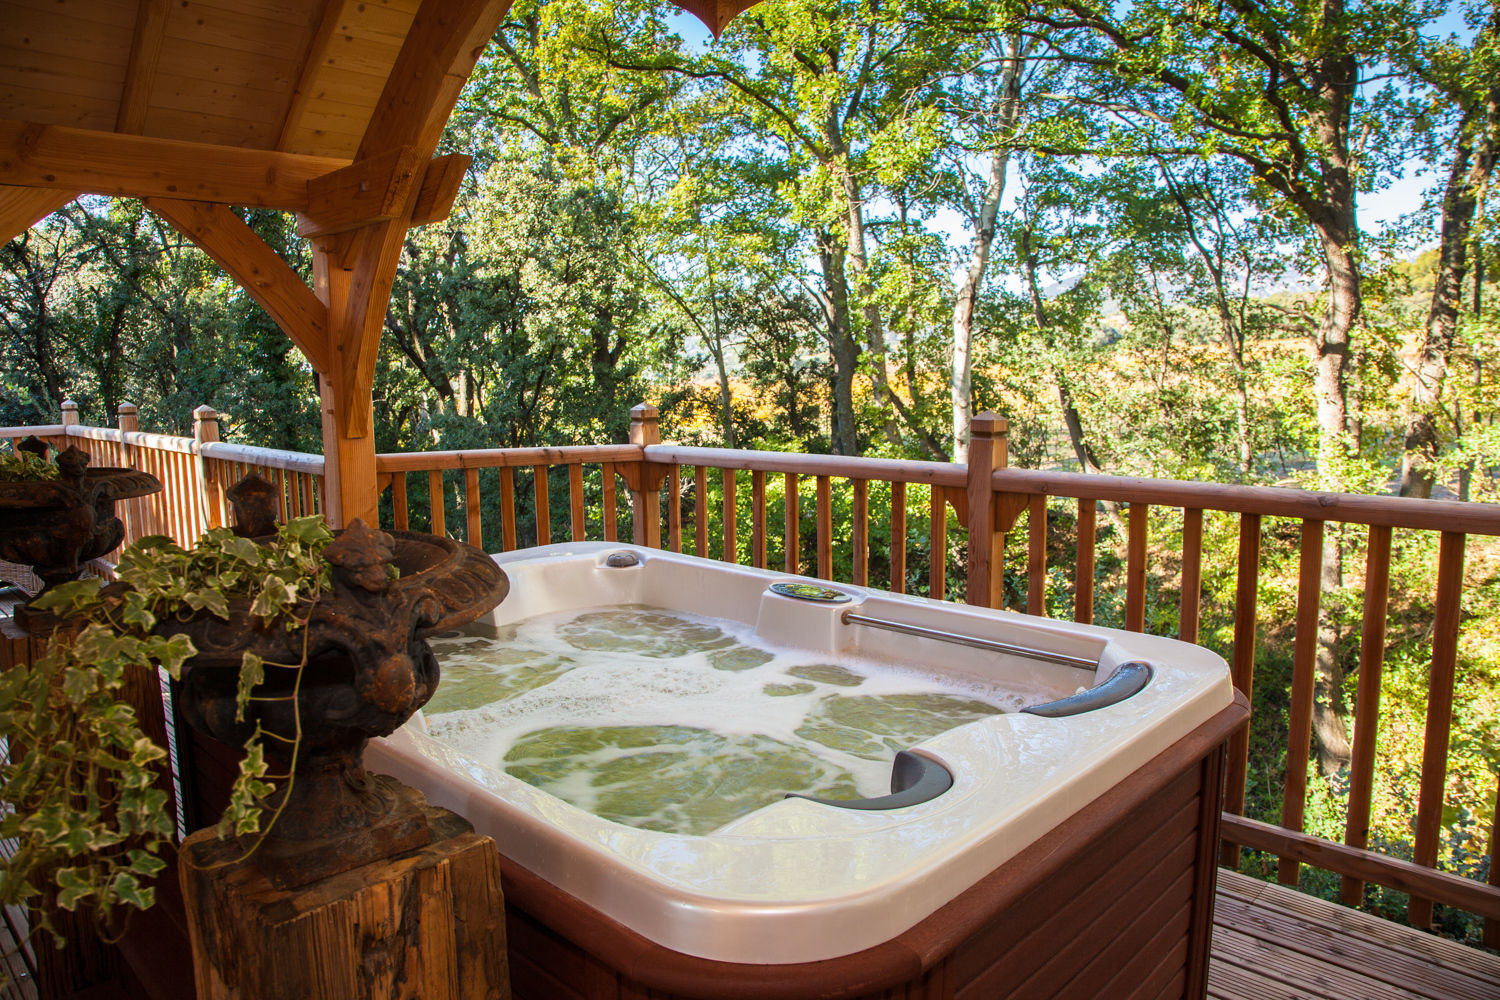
x: 25, y: 467
x: 83, y: 811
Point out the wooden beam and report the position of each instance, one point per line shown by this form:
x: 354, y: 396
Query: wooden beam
x: 312, y: 60
x: 445, y: 41
x: 361, y: 194
x: 23, y: 207
x: 94, y: 162
x: 445, y: 174
x: 140, y: 69
x: 257, y: 268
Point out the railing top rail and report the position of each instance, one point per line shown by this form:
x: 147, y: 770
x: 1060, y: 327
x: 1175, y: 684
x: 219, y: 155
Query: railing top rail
x: 488, y: 458
x: 140, y: 439
x: 1274, y: 501
x: 271, y: 458
x: 40, y: 430
x: 886, y: 469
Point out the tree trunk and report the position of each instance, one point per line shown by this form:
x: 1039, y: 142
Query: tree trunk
x: 1473, y: 162
x: 1071, y: 418
x: 840, y: 343
x: 864, y: 293
x: 972, y: 278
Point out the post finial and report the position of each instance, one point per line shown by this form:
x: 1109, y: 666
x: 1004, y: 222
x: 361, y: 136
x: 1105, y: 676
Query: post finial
x: 205, y: 424
x: 644, y: 425
x: 69, y: 413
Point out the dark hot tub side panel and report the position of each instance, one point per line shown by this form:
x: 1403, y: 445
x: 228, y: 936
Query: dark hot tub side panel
x: 1117, y: 902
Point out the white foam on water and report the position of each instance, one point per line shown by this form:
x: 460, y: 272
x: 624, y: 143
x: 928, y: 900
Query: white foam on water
x: 626, y: 685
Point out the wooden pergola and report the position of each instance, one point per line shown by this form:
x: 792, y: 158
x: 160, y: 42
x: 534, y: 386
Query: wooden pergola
x: 331, y: 109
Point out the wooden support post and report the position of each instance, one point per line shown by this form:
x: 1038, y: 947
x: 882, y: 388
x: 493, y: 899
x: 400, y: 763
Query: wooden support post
x: 205, y: 431
x: 987, y: 452
x: 427, y: 923
x: 128, y: 417
x: 645, y: 487
x: 69, y: 413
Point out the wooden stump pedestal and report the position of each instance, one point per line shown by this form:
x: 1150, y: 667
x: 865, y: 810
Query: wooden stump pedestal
x: 428, y: 923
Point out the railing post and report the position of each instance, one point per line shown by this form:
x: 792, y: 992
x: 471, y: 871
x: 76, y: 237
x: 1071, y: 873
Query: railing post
x: 644, y: 479
x: 128, y: 417
x: 206, y: 431
x: 69, y: 414
x: 987, y: 452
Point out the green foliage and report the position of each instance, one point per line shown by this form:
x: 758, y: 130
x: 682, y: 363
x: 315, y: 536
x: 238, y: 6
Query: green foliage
x: 25, y: 466
x: 86, y: 816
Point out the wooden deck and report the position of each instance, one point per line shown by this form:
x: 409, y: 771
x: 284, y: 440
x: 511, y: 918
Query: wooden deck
x: 1270, y: 943
x: 1273, y: 943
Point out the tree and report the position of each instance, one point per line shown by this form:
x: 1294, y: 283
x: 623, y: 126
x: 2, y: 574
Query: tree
x: 1462, y: 82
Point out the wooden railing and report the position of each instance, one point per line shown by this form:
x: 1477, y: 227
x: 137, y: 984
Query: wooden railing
x: 194, y: 471
x: 987, y: 502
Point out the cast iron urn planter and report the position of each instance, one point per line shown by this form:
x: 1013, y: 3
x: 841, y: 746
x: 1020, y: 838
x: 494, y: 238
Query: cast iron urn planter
x: 57, y: 525
x: 367, y: 669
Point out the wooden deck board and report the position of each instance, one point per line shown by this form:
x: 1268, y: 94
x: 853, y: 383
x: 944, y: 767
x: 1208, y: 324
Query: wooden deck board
x: 1274, y: 943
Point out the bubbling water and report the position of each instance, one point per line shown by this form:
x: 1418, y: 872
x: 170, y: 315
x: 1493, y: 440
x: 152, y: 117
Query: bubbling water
x: 672, y: 721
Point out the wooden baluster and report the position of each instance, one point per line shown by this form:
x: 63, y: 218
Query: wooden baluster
x: 1367, y: 701
x: 937, y: 545
x: 309, y: 499
x: 508, y: 542
x: 1243, y: 669
x: 610, y: 515
x: 1036, y: 556
x: 543, y: 513
x: 730, y: 541
x: 1135, y: 568
x: 1299, y: 714
x: 1439, y: 714
x: 398, y: 502
x: 792, y: 557
x: 758, y: 519
x: 825, y: 530
x: 1192, y: 574
x: 700, y: 510
x: 674, y: 508
x: 898, y: 538
x: 437, y: 503
x: 1083, y: 574
x: 861, y: 532
x: 475, y: 536
x: 1492, y: 924
x: 280, y: 476
x: 576, y: 516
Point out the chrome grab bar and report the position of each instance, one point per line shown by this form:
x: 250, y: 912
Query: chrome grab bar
x: 993, y: 645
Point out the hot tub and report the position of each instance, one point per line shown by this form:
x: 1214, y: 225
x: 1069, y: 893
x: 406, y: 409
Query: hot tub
x: 1069, y: 853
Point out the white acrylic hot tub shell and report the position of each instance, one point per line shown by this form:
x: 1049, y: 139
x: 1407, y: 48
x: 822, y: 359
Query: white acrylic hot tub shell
x: 797, y: 881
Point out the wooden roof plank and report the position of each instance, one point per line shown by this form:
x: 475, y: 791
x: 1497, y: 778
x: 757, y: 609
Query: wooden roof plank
x: 180, y: 93
x: 140, y: 68
x: 21, y: 208
x: 268, y: 279
x: 54, y: 108
x: 25, y: 18
x: 53, y: 156
x: 194, y: 24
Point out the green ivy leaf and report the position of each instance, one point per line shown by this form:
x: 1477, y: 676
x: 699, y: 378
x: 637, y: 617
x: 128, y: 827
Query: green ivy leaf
x: 252, y: 675
x: 74, y: 886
